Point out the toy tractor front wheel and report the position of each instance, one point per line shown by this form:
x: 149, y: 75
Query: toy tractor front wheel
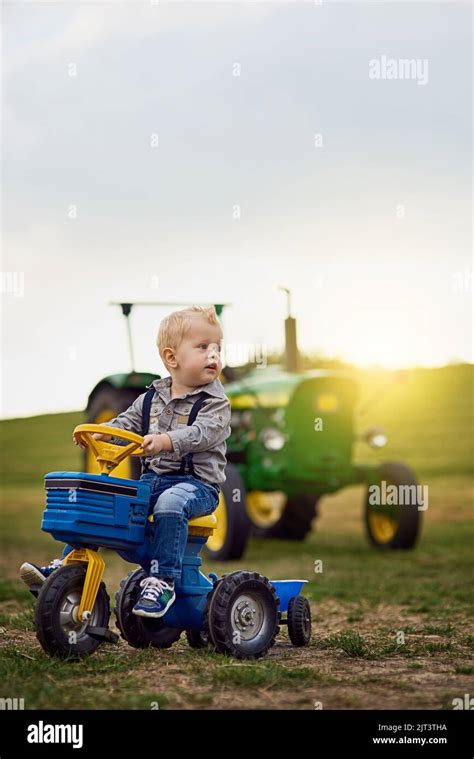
x: 58, y: 628
x: 138, y: 631
x: 397, y: 525
x: 242, y: 615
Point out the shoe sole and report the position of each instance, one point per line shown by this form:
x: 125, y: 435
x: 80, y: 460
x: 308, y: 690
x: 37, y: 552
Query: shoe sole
x: 31, y: 576
x: 154, y: 614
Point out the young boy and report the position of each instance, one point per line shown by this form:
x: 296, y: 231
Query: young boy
x: 185, y: 463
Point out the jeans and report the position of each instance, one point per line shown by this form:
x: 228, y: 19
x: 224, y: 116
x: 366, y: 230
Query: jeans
x: 175, y: 500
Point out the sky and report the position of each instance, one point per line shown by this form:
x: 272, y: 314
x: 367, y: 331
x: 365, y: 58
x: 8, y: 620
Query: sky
x: 213, y: 152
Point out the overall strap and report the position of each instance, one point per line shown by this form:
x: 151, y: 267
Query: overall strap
x: 188, y: 459
x: 146, y: 421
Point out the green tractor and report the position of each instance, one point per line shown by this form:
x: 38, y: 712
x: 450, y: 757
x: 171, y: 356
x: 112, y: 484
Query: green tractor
x: 292, y: 442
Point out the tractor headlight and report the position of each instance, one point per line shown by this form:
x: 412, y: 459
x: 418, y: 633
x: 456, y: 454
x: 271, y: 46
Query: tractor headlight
x: 235, y: 419
x: 375, y: 437
x: 272, y: 439
x: 246, y: 418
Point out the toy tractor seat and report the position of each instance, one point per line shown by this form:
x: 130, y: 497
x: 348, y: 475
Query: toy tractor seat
x: 199, y: 526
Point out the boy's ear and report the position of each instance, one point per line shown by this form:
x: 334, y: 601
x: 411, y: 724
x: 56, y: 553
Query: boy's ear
x: 169, y: 358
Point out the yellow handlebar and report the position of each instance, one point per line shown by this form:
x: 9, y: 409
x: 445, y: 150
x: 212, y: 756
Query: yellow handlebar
x: 109, y: 455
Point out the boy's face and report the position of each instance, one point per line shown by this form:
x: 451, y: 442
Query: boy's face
x: 197, y: 360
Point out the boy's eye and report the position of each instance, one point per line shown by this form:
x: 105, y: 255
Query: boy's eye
x: 204, y: 345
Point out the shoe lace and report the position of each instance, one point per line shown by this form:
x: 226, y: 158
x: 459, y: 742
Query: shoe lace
x: 56, y: 563
x: 153, y: 587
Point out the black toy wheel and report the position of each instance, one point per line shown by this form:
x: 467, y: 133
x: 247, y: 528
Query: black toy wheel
x: 138, y: 631
x: 397, y: 526
x: 197, y: 638
x: 242, y: 615
x: 299, y: 621
x: 229, y: 539
x: 57, y: 627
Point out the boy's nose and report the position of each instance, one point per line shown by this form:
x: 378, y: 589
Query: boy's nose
x: 213, y: 355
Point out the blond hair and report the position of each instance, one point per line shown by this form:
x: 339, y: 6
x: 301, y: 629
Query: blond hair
x: 173, y: 327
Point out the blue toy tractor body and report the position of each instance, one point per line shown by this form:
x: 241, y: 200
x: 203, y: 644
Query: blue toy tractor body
x: 238, y: 614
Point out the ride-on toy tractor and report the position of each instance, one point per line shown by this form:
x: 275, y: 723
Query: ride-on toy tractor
x: 237, y: 614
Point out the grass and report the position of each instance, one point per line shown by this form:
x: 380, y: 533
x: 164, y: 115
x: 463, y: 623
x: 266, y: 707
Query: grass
x: 47, y: 683
x: 351, y: 643
x: 460, y: 670
x: 246, y: 675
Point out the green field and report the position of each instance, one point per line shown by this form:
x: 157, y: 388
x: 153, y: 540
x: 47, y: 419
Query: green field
x: 390, y: 630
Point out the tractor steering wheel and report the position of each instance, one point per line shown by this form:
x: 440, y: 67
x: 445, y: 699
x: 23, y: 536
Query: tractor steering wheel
x: 109, y: 455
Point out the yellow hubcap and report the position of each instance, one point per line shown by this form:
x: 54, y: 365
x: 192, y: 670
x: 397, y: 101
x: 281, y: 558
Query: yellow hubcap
x: 124, y: 469
x: 265, y: 509
x: 383, y: 526
x: 216, y: 541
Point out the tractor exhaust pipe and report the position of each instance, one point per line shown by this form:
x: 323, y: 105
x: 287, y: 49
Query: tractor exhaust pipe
x: 291, y: 346
x: 291, y: 360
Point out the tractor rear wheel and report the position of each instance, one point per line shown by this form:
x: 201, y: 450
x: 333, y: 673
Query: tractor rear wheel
x: 138, y: 631
x: 107, y: 403
x: 291, y: 520
x: 233, y: 526
x: 242, y: 615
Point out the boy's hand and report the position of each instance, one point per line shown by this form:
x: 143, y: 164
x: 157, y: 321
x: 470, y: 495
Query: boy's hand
x: 156, y: 443
x: 97, y: 436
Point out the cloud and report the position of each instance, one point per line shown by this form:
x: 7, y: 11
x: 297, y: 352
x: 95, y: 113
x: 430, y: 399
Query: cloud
x: 93, y: 24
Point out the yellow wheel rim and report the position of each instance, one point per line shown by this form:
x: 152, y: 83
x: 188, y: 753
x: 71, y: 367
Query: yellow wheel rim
x: 265, y: 509
x: 382, y: 527
x: 124, y: 469
x: 216, y: 541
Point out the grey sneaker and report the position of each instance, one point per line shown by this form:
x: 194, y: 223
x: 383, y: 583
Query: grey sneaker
x: 32, y: 574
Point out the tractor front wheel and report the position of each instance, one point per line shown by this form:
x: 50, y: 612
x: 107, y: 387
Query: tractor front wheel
x: 393, y: 525
x: 58, y: 628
